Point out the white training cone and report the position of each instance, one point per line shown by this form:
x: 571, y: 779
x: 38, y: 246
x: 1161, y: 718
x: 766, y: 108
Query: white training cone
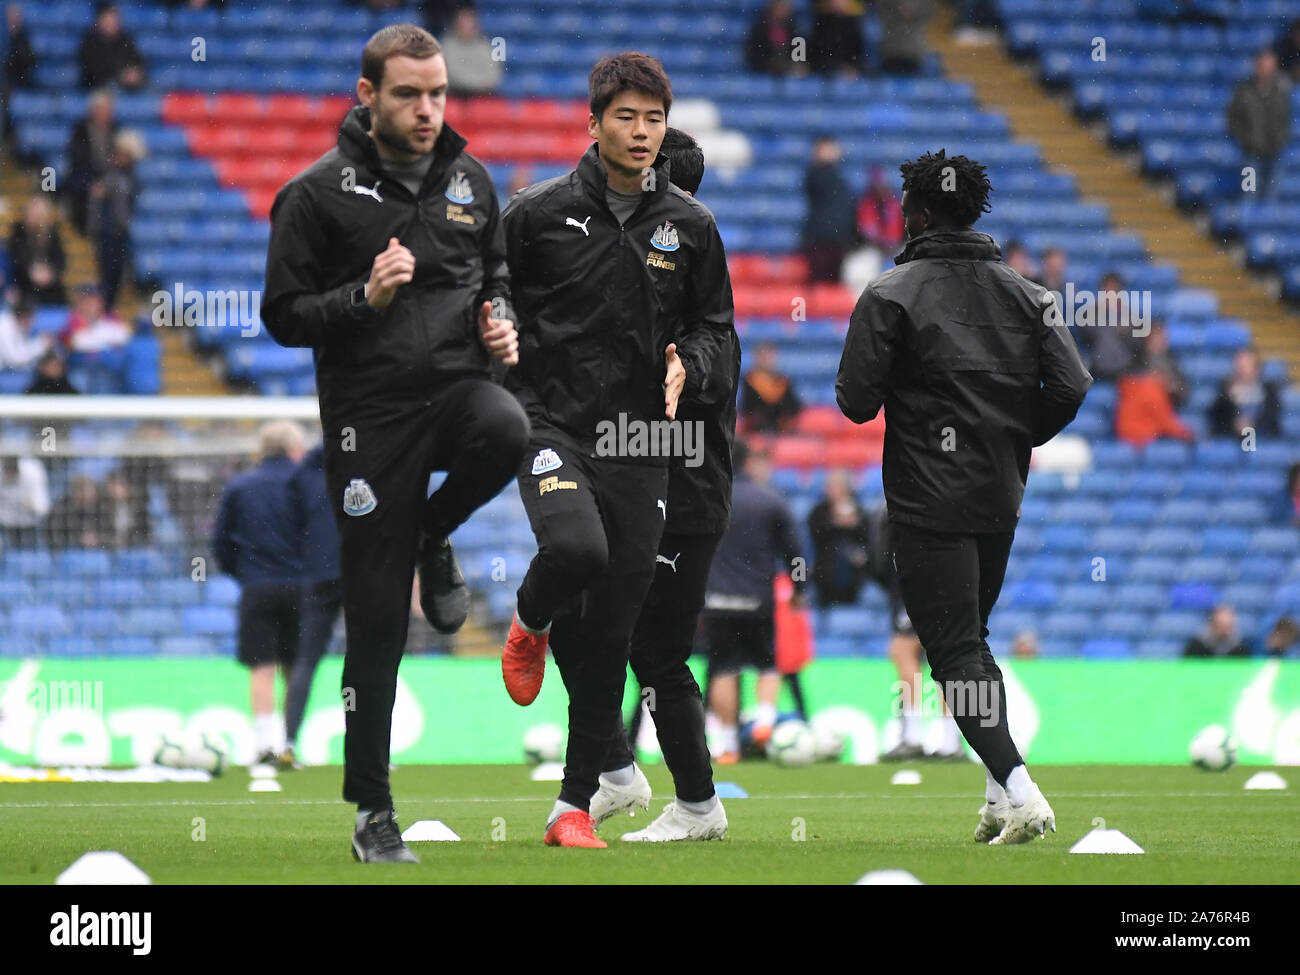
x: 907, y: 776
x: 1265, y: 780
x: 548, y: 772
x: 1106, y: 841
x: 261, y: 771
x: 263, y: 785
x: 429, y: 830
x: 102, y: 868
x: 897, y: 877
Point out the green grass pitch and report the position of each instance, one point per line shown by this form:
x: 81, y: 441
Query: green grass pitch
x: 827, y: 824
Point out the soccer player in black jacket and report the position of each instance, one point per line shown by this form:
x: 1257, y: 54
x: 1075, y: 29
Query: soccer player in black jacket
x: 387, y: 258
x: 974, y: 368
x: 620, y: 280
x: 699, y: 509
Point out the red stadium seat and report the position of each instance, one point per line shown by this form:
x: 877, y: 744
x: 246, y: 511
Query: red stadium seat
x: 800, y: 452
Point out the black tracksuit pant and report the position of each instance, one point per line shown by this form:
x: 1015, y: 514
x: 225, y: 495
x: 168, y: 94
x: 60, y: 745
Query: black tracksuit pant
x: 661, y: 645
x: 598, y: 522
x: 320, y: 607
x: 474, y: 430
x: 949, y: 584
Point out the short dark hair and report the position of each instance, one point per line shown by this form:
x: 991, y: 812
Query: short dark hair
x: 685, y: 159
x: 396, y: 40
x: 926, y: 180
x: 629, y: 71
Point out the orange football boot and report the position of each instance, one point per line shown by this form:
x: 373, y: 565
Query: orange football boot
x: 574, y: 829
x: 523, y: 664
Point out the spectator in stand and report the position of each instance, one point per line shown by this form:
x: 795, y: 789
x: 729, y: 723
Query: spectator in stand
x: 1052, y: 273
x: 1282, y: 638
x: 36, y: 254
x: 1144, y: 411
x: 837, y: 43
x: 51, y: 377
x: 768, y: 402
x: 880, y: 214
x: 19, y: 69
x: 904, y: 29
x: 90, y: 154
x: 471, y: 67
x: 1288, y: 509
x: 1154, y: 355
x: 1219, y: 638
x: 1287, y: 50
x: 838, y: 527
x: 107, y: 54
x: 90, y: 329
x: 769, y: 47
x: 1107, y: 342
x: 829, y: 231
x: 977, y: 22
x: 255, y: 542
x: 1259, y: 120
x: 19, y: 348
x: 1246, y: 401
x: 111, y: 208
x: 1016, y: 256
x: 79, y: 519
x: 24, y: 500
x: 127, y: 523
x: 1025, y: 645
x: 520, y: 177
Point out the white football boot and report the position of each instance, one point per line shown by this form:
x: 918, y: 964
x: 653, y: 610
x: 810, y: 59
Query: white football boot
x: 1027, y: 822
x: 675, y: 824
x: 993, y: 816
x: 611, y: 799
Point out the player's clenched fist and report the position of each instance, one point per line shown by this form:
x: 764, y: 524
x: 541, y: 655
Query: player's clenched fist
x: 392, y: 268
x: 499, y: 335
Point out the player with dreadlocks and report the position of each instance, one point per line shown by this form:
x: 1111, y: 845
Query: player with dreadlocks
x: 974, y: 368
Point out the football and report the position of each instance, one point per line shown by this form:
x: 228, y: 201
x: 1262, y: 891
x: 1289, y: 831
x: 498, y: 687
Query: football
x: 544, y: 743
x: 792, y: 744
x: 199, y: 751
x: 1214, y: 749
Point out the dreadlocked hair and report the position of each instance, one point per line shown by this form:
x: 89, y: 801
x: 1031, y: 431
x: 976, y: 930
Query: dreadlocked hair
x: 953, y: 186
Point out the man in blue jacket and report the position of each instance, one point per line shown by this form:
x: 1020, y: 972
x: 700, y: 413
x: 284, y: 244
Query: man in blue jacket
x: 255, y: 541
x: 322, y: 589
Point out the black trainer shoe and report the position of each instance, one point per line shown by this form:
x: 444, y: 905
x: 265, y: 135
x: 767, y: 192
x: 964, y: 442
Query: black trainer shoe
x: 903, y: 752
x: 380, y: 841
x: 444, y: 597
x: 266, y: 757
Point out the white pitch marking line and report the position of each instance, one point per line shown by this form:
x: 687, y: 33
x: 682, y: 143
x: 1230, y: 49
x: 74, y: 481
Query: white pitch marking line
x: 780, y: 798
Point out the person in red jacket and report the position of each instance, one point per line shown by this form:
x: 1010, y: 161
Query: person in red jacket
x: 1144, y: 412
x: 880, y: 215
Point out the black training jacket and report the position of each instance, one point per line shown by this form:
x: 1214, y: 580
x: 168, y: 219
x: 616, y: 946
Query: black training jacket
x: 699, y: 498
x: 328, y: 224
x: 958, y: 349
x: 598, y: 303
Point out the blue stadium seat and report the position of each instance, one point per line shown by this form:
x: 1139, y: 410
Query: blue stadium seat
x: 1110, y: 648
x: 208, y: 621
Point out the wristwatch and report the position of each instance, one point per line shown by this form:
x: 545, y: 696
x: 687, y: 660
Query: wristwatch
x: 359, y: 295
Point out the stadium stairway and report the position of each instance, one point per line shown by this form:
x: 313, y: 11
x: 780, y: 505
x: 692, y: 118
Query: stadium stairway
x: 182, y: 371
x: 1004, y: 86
